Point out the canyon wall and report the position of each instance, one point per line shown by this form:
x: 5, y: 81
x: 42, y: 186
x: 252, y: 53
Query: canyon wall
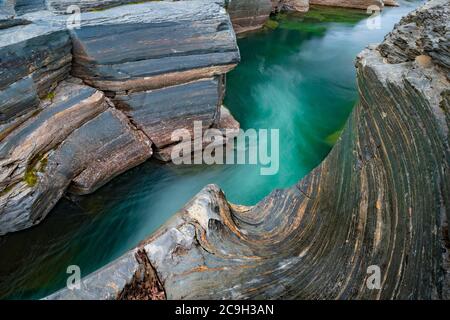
x: 80, y: 106
x: 379, y: 199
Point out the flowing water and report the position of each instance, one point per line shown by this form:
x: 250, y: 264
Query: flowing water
x: 297, y: 76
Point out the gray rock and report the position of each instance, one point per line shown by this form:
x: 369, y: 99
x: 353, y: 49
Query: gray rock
x: 103, y: 148
x: 106, y: 284
x: 423, y: 32
x: 248, y: 15
x: 159, y: 112
x: 30, y: 183
x: 158, y: 44
x: 34, y: 59
x: 357, y: 4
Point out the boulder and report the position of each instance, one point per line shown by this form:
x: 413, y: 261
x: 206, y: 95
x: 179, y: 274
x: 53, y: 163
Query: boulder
x: 249, y: 15
x: 357, y: 4
x: 41, y: 157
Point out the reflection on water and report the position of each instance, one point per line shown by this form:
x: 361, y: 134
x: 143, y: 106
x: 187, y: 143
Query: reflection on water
x: 296, y: 76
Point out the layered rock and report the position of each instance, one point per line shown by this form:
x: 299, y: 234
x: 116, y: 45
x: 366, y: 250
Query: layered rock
x: 77, y: 137
x: 248, y: 15
x: 161, y: 82
x: 34, y: 59
x: 379, y: 199
x: 163, y: 66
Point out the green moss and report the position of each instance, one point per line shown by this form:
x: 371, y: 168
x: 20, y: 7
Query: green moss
x: 50, y: 96
x: 333, y: 138
x: 335, y: 15
x: 31, y: 173
x: 271, y: 24
x: 30, y: 177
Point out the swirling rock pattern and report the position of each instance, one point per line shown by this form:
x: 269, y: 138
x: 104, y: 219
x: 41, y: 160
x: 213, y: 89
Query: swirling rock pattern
x: 380, y: 198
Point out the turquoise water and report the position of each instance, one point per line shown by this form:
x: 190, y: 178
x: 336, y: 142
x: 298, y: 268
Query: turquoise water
x: 296, y: 76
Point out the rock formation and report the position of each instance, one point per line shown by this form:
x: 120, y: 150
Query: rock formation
x: 357, y: 4
x: 138, y: 72
x: 380, y: 198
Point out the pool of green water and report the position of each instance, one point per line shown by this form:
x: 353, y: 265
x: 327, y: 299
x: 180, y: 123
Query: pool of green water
x: 297, y: 75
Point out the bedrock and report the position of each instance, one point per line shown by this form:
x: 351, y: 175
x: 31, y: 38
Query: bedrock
x: 34, y: 58
x: 167, y: 68
x: 77, y: 137
x: 380, y: 198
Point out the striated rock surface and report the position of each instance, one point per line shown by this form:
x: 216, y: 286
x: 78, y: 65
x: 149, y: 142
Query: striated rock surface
x: 291, y: 5
x: 33, y: 60
x: 418, y: 36
x: 25, y: 6
x: 76, y: 137
x: 248, y: 15
x: 161, y: 82
x: 28, y: 189
x: 379, y: 199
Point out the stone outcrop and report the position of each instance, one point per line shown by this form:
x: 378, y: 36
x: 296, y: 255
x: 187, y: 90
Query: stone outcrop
x: 291, y: 5
x: 380, y: 198
x: 249, y: 15
x: 356, y: 4
x: 138, y: 72
x: 34, y: 60
x: 160, y: 82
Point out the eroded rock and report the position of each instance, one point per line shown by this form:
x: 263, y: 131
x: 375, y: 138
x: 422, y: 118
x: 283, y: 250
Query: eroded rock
x: 35, y: 58
x: 28, y: 189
